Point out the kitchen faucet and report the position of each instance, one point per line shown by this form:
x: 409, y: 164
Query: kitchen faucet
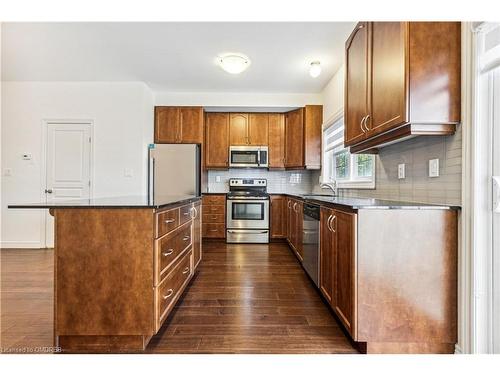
x: 332, y: 186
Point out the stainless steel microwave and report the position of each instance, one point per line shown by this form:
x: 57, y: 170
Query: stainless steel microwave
x: 248, y: 157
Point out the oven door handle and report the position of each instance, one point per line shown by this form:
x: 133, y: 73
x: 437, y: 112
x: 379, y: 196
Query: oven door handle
x: 247, y: 231
x: 252, y: 200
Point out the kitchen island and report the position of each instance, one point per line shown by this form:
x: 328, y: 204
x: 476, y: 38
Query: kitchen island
x: 120, y: 265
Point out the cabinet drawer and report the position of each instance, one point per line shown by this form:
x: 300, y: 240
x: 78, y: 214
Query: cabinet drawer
x: 166, y: 221
x: 214, y: 218
x: 168, y: 249
x: 214, y: 199
x: 214, y: 230
x: 215, y: 209
x: 167, y: 293
x: 185, y: 214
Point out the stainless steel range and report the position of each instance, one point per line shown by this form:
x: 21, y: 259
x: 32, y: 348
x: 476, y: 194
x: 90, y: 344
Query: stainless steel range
x: 247, y: 215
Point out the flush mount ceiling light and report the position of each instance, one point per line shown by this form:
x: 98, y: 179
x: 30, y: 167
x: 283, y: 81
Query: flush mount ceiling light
x: 315, y: 69
x: 233, y: 63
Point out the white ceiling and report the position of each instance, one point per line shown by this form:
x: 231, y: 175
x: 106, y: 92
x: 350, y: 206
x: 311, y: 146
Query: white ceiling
x: 175, y: 56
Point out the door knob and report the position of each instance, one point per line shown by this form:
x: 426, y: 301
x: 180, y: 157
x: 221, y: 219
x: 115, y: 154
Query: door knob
x: 48, y: 191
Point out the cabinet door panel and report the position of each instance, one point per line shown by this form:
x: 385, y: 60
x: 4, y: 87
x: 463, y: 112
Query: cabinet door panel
x: 166, y: 124
x: 217, y: 147
x: 294, y: 130
x: 258, y: 129
x: 278, y: 216
x: 357, y: 79
x: 344, y: 268
x: 191, y: 124
x: 388, y: 78
x: 197, y: 251
x: 238, y: 129
x: 276, y: 136
x: 326, y: 255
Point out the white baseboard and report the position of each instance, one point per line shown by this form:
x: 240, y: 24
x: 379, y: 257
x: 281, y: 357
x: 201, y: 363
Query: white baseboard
x: 20, y: 245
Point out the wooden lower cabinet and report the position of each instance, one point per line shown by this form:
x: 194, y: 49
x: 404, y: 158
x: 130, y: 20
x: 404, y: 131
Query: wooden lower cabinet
x: 337, y: 264
x: 197, y: 224
x: 393, y: 289
x: 214, y: 216
x: 119, y: 272
x: 344, y: 268
x: 295, y: 216
x: 279, y: 213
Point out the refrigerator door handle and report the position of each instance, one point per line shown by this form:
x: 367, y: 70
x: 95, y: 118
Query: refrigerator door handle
x: 151, y: 181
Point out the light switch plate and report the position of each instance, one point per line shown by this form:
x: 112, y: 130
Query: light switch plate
x: 434, y: 168
x: 401, y: 171
x: 217, y: 178
x: 128, y: 172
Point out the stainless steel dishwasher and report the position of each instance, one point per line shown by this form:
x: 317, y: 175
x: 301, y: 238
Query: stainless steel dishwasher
x: 310, y: 241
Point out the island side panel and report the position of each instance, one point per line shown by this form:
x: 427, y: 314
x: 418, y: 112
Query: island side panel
x: 407, y: 280
x: 103, y: 275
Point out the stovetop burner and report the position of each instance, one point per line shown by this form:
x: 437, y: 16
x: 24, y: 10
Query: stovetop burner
x: 248, y: 188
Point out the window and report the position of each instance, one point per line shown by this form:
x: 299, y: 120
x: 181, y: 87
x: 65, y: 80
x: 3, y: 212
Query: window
x: 349, y: 171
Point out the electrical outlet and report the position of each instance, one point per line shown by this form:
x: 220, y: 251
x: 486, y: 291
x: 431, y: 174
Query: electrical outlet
x: 434, y: 168
x: 401, y: 171
x: 27, y: 156
x: 217, y: 178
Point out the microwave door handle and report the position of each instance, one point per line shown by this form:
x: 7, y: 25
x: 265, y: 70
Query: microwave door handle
x: 258, y: 157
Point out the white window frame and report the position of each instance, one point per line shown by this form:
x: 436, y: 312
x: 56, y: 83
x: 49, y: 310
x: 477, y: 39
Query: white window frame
x: 353, y: 182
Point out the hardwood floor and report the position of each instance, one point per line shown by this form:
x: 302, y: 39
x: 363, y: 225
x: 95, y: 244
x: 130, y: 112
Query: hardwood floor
x: 250, y: 299
x: 244, y: 299
x: 27, y: 292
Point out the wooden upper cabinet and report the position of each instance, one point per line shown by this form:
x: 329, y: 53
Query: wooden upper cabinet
x: 258, y: 129
x: 278, y: 213
x: 276, y: 136
x: 402, y: 79
x: 303, y: 137
x: 179, y: 125
x: 238, y: 129
x: 343, y: 225
x: 191, y: 124
x: 313, y: 120
x: 166, y: 124
x: 217, y: 140
x: 388, y: 76
x: 294, y: 145
x: 357, y: 83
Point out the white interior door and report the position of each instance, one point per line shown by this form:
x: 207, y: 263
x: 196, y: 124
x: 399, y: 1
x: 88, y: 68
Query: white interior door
x: 67, y: 166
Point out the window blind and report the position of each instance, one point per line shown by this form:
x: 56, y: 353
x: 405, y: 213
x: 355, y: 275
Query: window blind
x: 334, y: 135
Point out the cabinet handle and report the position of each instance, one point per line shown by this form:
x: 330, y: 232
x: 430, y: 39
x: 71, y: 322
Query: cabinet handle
x: 294, y: 206
x: 168, y: 252
x: 361, y: 124
x: 328, y: 223
x: 186, y: 270
x: 187, y: 213
x: 185, y: 238
x: 169, y: 293
x: 289, y: 204
x: 331, y: 223
x: 366, y: 123
x: 168, y: 221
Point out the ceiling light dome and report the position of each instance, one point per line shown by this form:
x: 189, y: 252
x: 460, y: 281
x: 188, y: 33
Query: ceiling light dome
x: 233, y: 63
x: 315, y: 69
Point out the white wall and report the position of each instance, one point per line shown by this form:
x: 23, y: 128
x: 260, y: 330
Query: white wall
x: 122, y: 114
x: 333, y: 95
x: 235, y: 99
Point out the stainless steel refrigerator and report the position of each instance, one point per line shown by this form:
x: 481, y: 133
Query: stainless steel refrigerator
x: 174, y: 170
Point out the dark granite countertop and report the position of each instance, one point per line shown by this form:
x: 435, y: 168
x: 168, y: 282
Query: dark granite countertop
x: 370, y: 203
x: 136, y: 201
